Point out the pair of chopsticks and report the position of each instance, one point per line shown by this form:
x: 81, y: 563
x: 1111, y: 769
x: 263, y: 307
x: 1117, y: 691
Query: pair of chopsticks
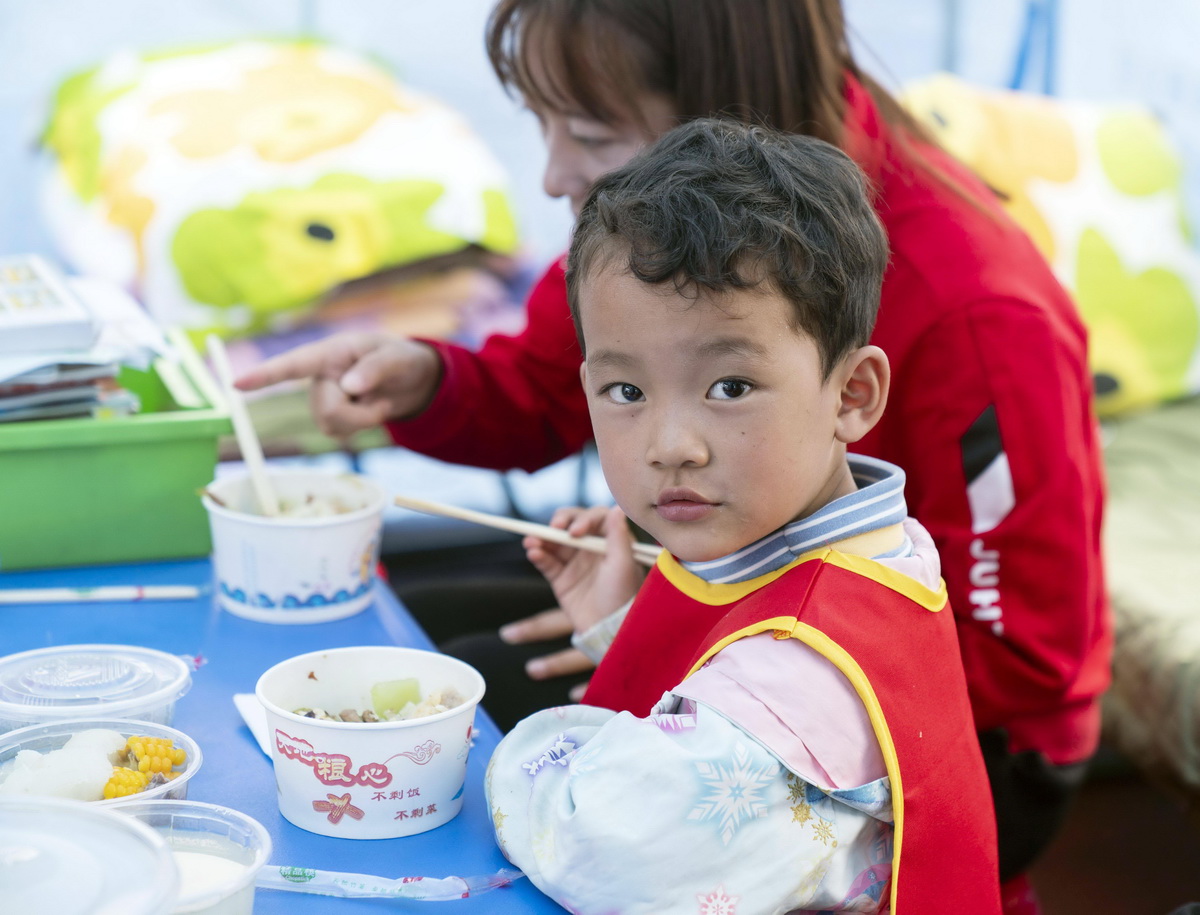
x: 644, y: 553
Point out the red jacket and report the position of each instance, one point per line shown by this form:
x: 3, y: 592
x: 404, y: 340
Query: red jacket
x: 991, y: 408
x: 886, y: 633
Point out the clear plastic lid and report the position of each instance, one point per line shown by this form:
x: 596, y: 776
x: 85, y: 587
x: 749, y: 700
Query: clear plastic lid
x: 81, y: 681
x: 71, y: 858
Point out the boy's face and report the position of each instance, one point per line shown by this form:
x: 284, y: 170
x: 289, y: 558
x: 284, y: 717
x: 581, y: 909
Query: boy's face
x: 712, y: 421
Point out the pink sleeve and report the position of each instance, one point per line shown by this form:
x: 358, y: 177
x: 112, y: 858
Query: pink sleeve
x: 797, y: 704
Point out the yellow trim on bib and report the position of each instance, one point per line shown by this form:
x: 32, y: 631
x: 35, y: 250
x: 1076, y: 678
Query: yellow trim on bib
x: 892, y: 579
x: 698, y: 589
x: 716, y: 595
x: 822, y: 644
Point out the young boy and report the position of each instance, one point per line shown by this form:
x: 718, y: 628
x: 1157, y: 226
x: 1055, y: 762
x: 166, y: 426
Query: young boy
x: 781, y: 722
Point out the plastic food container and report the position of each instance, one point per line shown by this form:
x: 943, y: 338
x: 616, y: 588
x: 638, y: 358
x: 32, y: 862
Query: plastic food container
x: 46, y: 737
x: 296, y: 568
x: 80, y: 859
x: 90, y: 681
x: 218, y: 851
x: 367, y: 781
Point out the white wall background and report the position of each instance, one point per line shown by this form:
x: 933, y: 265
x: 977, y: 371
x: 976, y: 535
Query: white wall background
x: 1106, y: 49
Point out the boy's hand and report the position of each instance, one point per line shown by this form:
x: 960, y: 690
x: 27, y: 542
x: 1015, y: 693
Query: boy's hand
x: 359, y: 380
x: 544, y: 627
x: 588, y: 586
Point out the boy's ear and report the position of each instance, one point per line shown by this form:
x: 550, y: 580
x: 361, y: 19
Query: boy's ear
x: 863, y: 377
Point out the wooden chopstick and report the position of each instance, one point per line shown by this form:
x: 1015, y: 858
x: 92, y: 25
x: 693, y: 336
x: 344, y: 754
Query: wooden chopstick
x: 243, y: 428
x: 644, y: 553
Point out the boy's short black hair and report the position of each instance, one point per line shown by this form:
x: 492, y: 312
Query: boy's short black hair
x: 716, y: 205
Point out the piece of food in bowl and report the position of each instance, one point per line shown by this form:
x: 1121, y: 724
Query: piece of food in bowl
x: 314, y: 506
x: 393, y: 700
x: 440, y: 700
x: 307, y: 505
x: 390, y: 696
x: 77, y: 770
x: 144, y: 762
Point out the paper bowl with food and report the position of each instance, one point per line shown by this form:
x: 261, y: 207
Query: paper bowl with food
x: 370, y: 742
x: 313, y: 562
x: 102, y: 760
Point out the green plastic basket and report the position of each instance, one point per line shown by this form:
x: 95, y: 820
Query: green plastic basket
x: 91, y: 491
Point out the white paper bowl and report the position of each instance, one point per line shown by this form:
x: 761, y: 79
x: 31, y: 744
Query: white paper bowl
x: 46, y: 737
x: 295, y: 569
x: 367, y: 781
x: 238, y: 845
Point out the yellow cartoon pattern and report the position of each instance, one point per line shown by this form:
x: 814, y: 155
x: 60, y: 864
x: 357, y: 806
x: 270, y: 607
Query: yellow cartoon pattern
x: 1099, y: 190
x: 232, y: 186
x: 289, y: 108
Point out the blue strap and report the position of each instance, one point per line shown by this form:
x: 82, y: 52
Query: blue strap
x: 1040, y: 32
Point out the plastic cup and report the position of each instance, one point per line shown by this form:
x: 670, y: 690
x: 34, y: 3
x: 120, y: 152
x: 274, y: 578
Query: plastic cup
x: 44, y: 738
x: 367, y: 781
x: 80, y: 859
x: 90, y: 681
x: 219, y: 852
x: 295, y: 568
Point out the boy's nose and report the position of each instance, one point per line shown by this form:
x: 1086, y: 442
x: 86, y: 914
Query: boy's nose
x: 675, y: 441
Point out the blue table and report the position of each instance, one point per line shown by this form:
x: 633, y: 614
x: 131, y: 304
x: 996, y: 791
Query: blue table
x: 235, y: 772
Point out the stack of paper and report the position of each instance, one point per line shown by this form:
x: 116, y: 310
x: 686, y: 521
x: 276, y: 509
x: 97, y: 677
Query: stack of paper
x: 41, y: 383
x: 64, y: 390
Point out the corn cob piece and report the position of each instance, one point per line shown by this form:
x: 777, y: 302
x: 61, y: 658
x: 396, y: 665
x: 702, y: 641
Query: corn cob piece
x: 156, y: 754
x: 124, y: 782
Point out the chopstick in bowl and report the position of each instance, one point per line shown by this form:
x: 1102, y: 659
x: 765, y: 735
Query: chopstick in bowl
x: 644, y: 553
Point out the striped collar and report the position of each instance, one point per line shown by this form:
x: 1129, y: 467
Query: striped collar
x: 878, y: 503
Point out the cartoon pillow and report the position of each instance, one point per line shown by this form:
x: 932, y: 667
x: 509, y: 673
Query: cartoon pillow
x: 231, y: 186
x: 1099, y: 189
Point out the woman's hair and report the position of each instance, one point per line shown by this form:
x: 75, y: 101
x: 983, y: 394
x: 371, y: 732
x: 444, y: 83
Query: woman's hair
x: 779, y: 63
x: 715, y: 206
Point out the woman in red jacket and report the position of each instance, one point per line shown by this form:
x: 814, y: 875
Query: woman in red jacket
x: 991, y: 411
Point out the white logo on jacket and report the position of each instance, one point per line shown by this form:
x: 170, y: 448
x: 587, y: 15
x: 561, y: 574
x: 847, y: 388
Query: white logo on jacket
x: 991, y: 497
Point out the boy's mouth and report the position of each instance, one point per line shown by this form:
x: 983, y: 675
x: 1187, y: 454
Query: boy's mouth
x: 682, y: 505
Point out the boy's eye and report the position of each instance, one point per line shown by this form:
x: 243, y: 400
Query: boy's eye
x: 729, y: 389
x: 623, y: 393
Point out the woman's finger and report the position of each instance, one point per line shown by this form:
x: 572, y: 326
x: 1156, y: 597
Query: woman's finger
x: 337, y: 414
